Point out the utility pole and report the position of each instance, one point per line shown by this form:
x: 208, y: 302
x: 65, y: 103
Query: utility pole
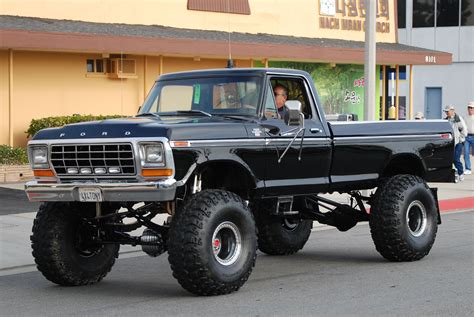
x: 369, y: 60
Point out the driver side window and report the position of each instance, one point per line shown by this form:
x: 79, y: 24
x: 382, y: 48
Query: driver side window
x: 295, y: 90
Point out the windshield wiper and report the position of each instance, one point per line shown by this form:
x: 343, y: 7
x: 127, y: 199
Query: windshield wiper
x: 148, y: 114
x: 237, y: 117
x: 194, y: 112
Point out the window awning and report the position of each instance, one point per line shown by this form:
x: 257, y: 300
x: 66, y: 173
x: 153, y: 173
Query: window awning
x: 27, y: 33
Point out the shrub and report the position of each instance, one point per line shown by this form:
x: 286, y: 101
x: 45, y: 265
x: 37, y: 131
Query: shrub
x: 12, y: 156
x: 53, y: 122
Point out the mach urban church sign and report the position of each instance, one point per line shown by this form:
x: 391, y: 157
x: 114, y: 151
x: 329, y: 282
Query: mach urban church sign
x: 349, y: 15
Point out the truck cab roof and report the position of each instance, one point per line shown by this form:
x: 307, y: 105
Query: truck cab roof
x: 231, y: 72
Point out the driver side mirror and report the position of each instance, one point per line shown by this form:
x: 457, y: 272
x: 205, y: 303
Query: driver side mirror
x: 293, y: 115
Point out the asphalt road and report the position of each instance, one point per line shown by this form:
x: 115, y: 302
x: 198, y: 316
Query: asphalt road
x: 336, y: 274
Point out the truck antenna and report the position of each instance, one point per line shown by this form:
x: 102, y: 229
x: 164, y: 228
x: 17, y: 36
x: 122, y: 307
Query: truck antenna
x: 230, y: 62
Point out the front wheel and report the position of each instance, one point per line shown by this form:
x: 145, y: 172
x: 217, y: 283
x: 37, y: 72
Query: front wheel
x: 212, y: 243
x: 62, y: 248
x: 404, y: 219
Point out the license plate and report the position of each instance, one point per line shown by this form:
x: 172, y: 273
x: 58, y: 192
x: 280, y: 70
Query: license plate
x: 90, y: 194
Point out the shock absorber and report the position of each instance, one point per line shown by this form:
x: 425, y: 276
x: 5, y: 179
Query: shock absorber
x: 154, y: 244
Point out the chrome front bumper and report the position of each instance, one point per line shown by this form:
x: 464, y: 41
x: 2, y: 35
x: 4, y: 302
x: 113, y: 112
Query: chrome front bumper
x: 163, y: 190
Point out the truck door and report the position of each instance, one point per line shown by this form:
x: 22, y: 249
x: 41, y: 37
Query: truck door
x: 304, y: 168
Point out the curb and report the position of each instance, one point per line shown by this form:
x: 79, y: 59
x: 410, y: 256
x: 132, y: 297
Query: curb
x: 448, y: 205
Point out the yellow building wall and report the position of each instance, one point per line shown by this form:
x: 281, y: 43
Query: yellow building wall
x: 56, y: 84
x: 152, y: 72
x: 283, y: 17
x: 176, y: 64
x: 4, y: 106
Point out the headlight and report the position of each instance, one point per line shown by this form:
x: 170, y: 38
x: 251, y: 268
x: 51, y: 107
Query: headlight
x: 152, y: 154
x: 39, y: 157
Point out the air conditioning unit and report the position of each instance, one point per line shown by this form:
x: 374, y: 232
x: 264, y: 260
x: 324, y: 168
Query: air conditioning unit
x: 121, y: 68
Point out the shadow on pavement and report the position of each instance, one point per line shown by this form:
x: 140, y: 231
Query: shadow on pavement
x: 14, y: 201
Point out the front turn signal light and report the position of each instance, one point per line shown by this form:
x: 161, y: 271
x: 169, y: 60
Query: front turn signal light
x: 43, y: 173
x: 156, y: 172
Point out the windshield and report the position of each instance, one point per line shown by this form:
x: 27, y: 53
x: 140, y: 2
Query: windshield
x: 236, y: 95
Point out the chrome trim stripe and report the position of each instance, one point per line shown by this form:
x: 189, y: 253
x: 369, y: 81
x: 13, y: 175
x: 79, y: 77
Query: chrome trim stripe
x: 306, y: 141
x: 394, y: 137
x: 298, y: 182
x: 225, y: 141
x: 250, y: 142
x: 384, y: 122
x: 353, y: 178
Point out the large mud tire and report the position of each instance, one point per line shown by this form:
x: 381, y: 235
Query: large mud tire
x: 212, y: 243
x: 56, y: 242
x: 279, y: 236
x: 403, y: 219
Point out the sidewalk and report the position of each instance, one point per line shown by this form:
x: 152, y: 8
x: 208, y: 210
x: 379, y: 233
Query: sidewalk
x: 15, y: 228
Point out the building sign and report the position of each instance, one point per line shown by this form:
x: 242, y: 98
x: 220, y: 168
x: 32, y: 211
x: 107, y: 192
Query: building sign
x: 430, y: 59
x: 349, y: 15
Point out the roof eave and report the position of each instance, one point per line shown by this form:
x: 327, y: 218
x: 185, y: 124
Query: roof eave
x: 99, y: 43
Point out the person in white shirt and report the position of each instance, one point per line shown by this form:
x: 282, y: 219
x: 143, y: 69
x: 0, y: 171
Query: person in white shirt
x: 460, y: 132
x: 469, y: 142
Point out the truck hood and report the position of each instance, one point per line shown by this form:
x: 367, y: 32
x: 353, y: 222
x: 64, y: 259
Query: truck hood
x: 173, y: 128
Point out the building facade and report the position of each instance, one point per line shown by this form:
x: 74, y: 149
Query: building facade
x: 102, y: 56
x: 446, y: 25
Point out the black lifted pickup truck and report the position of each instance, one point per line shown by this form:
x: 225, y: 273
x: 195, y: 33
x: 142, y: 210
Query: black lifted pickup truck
x: 211, y: 169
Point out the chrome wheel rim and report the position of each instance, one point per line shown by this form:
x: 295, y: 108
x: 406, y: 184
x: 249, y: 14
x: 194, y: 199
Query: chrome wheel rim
x: 226, y: 243
x: 416, y: 218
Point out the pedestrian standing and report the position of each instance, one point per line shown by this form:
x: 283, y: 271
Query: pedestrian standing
x: 419, y: 116
x: 469, y: 143
x: 460, y: 132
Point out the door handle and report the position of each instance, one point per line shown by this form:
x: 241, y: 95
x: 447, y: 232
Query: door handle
x: 315, y: 130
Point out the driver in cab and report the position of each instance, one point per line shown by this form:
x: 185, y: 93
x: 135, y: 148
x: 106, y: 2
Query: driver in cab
x: 281, y: 94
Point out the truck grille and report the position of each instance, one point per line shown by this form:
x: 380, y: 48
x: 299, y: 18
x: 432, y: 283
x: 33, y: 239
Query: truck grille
x: 93, y: 160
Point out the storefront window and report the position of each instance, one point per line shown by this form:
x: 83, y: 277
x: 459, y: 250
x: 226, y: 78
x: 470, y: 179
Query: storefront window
x: 467, y: 12
x: 99, y: 65
x: 423, y: 13
x: 447, y: 13
x: 401, y: 10
x: 90, y: 65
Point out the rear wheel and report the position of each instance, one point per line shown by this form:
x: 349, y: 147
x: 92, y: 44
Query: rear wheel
x: 404, y: 219
x: 212, y: 243
x: 280, y: 236
x: 62, y: 247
